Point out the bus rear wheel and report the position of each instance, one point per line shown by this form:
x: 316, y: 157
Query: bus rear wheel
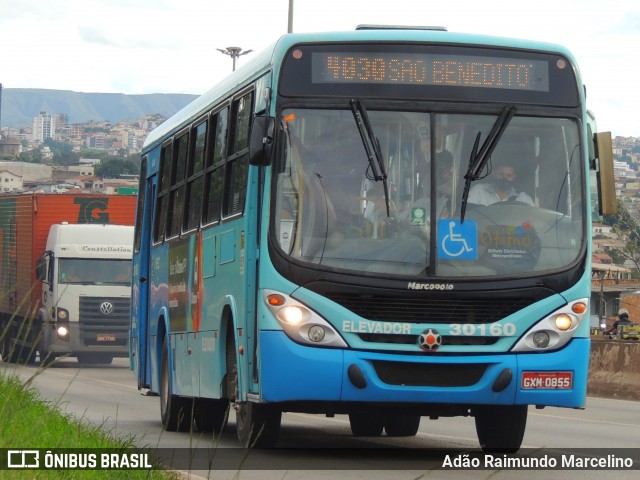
x: 174, y: 410
x: 257, y: 425
x: 211, y: 415
x: 500, y: 428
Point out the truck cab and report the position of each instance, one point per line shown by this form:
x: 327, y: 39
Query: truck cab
x: 86, y: 294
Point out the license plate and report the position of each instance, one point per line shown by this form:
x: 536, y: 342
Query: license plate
x: 106, y: 337
x: 547, y: 380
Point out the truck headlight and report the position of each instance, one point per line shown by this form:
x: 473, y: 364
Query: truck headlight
x: 300, y: 323
x: 62, y: 323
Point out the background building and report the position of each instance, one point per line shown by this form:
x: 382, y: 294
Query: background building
x: 44, y: 126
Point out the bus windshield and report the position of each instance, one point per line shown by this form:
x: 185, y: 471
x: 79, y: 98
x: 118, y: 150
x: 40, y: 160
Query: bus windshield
x: 524, y: 209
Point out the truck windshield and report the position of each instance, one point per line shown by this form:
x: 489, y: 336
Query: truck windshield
x: 524, y: 213
x: 94, y: 272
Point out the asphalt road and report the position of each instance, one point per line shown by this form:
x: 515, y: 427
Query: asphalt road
x: 314, y: 446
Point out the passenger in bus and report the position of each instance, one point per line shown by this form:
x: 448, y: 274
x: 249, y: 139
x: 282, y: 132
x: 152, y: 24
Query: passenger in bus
x: 500, y: 189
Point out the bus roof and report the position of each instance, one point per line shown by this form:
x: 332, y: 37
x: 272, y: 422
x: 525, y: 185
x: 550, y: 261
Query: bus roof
x: 263, y: 62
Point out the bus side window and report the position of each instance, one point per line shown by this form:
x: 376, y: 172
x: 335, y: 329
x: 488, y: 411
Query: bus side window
x: 166, y: 157
x: 216, y: 154
x: 176, y: 207
x: 238, y: 160
x: 195, y: 174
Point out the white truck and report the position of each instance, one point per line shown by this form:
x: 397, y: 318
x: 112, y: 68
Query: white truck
x: 86, y: 292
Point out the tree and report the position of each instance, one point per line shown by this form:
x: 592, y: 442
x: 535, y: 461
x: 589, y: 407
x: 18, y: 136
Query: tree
x: 628, y: 231
x: 114, y: 167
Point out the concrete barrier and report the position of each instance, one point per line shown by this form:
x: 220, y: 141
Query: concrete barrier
x: 614, y: 370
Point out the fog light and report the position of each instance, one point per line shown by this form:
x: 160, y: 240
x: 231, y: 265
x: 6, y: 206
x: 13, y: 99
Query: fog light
x: 316, y: 333
x: 541, y: 339
x: 63, y: 331
x: 292, y: 315
x: 563, y: 322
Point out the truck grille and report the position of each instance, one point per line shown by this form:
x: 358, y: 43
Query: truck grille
x: 104, y: 320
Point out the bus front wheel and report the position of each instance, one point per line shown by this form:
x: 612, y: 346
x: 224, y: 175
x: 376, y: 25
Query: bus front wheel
x: 500, y: 428
x: 366, y: 425
x: 401, y: 425
x: 257, y: 425
x: 174, y: 411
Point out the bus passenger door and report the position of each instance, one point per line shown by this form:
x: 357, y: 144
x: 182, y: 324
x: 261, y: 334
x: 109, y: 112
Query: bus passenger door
x: 140, y: 327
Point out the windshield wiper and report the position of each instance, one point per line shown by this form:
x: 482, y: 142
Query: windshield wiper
x: 478, y: 159
x: 371, y: 147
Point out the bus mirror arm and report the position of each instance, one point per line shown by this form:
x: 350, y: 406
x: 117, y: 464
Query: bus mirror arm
x: 261, y: 140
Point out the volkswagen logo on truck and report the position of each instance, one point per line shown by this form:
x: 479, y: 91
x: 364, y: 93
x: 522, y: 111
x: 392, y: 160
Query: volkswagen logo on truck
x: 106, y: 307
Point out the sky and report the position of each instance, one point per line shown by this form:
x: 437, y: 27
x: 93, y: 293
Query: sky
x: 170, y: 46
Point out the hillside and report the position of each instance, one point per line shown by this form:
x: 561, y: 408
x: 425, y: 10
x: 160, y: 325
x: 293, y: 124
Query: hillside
x: 20, y: 105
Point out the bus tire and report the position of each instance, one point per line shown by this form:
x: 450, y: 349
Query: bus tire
x: 401, y: 425
x: 174, y: 411
x: 257, y: 425
x: 211, y: 415
x: 500, y: 428
x: 366, y: 424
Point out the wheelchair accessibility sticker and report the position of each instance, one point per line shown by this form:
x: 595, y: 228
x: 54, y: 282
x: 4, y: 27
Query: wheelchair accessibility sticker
x: 457, y: 241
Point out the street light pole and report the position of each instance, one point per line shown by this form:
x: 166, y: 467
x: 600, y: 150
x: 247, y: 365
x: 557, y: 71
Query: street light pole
x: 290, y: 24
x: 234, y: 53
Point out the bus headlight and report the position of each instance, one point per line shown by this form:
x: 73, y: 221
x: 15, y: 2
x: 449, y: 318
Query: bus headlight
x: 541, y: 339
x: 292, y: 314
x: 563, y: 322
x: 555, y: 330
x: 300, y: 323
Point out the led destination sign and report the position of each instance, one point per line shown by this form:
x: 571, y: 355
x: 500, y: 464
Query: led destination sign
x: 431, y: 70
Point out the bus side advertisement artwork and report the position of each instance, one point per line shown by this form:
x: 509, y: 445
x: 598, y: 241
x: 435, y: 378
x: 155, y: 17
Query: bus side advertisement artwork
x: 185, y: 284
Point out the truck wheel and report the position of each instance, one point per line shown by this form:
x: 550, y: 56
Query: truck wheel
x: 211, y: 415
x: 366, y: 424
x: 500, y: 428
x: 175, y: 412
x: 47, y: 358
x: 12, y: 351
x: 257, y: 425
x: 401, y: 425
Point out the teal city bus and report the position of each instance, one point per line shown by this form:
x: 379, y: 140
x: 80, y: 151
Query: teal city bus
x: 385, y: 223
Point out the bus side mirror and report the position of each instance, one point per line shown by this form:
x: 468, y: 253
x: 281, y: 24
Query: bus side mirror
x: 606, y: 179
x: 261, y: 140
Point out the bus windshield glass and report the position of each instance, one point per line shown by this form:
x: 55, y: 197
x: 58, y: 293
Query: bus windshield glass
x: 524, y: 210
x: 94, y: 272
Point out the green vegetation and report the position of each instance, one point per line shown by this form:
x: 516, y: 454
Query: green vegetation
x: 28, y: 422
x: 627, y: 230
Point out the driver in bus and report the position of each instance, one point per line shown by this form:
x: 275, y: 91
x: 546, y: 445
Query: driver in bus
x: 500, y: 189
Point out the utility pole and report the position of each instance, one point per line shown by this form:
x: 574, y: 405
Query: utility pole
x: 234, y: 53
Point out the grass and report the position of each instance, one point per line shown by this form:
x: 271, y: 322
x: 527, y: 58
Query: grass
x: 29, y: 422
